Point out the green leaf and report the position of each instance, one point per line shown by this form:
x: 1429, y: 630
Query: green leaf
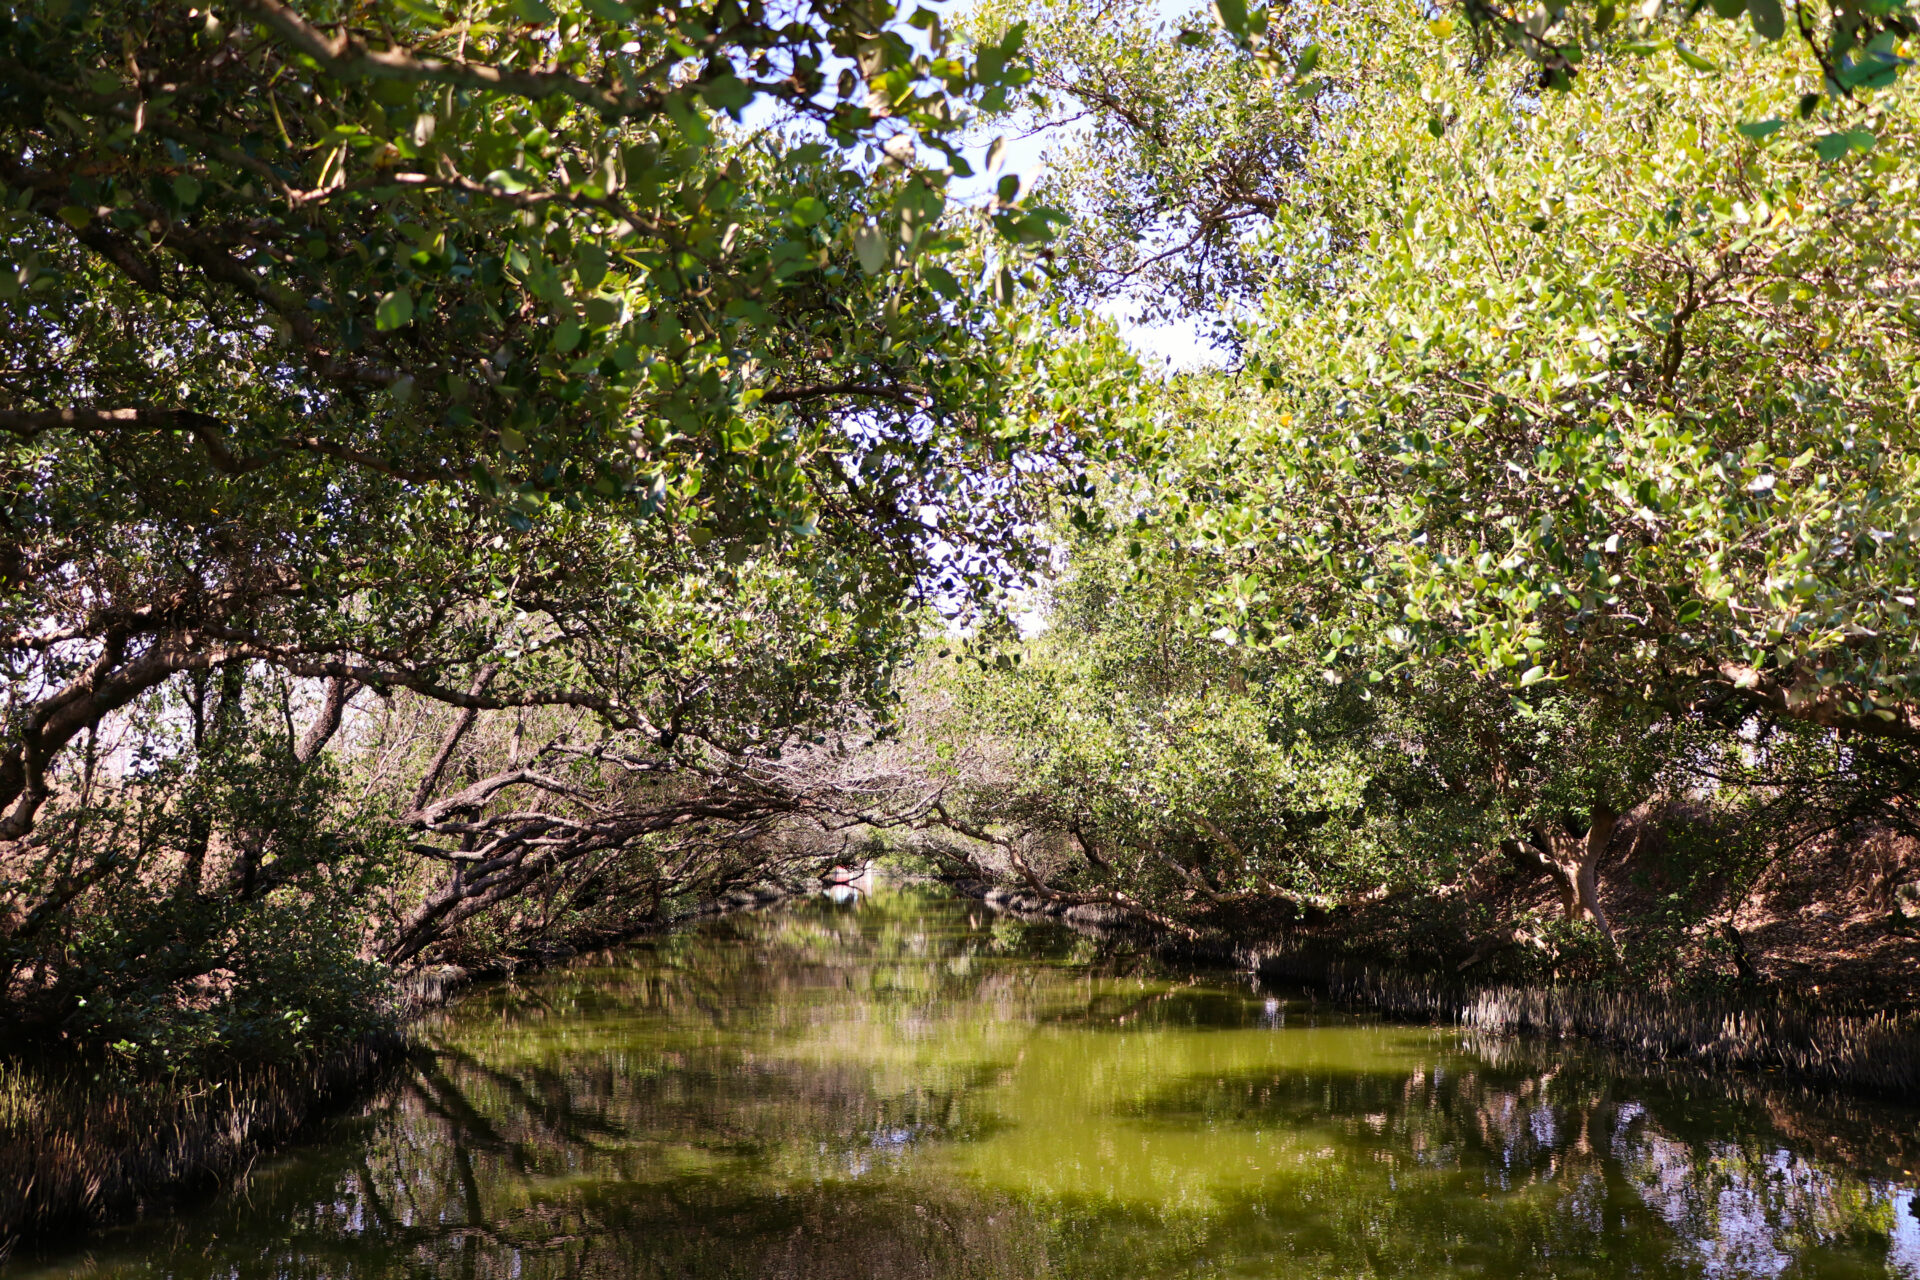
x: 807, y: 211
x: 1693, y: 59
x: 1232, y: 15
x: 870, y: 246
x: 1831, y: 146
x: 567, y: 336
x: 1768, y: 20
x: 692, y: 126
x: 186, y: 189
x: 1309, y: 59
x: 1761, y: 129
x: 1534, y: 675
x: 75, y: 216
x: 1013, y: 41
x: 726, y: 93
x: 395, y: 310
x: 590, y: 266
x: 534, y: 11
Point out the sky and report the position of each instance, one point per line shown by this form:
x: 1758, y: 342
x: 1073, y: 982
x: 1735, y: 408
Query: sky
x: 1179, y: 344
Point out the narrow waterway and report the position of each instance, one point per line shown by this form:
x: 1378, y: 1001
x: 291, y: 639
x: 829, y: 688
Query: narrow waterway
x: 907, y: 1087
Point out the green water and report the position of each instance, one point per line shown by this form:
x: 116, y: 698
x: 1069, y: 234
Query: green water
x: 910, y: 1087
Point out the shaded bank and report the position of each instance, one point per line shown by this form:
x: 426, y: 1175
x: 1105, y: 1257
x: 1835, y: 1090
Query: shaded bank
x: 85, y: 1145
x: 1877, y: 1053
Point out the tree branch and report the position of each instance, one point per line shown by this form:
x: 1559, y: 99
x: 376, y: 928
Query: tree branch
x: 461, y: 723
x: 346, y: 56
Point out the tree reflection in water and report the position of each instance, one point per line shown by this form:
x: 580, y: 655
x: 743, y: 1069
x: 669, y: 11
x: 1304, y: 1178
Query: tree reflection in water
x: 901, y: 1088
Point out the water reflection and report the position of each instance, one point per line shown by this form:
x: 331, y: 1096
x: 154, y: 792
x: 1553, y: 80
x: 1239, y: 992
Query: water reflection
x: 895, y: 1087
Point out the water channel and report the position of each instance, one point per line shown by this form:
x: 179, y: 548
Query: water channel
x: 906, y: 1086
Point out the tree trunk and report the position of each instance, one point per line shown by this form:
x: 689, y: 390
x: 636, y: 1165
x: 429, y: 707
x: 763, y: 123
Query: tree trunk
x: 1573, y: 860
x: 1587, y: 885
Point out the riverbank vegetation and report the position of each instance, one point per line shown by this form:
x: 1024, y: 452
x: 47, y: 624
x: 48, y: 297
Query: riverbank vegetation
x: 1531, y: 596
x: 483, y: 483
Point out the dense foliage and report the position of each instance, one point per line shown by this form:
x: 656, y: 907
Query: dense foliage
x: 476, y: 479
x: 513, y: 433
x: 1561, y: 481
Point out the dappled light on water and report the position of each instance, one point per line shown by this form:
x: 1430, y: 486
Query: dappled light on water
x: 902, y: 1086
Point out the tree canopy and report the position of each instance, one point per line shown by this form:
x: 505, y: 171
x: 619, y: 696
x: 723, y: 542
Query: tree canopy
x: 336, y: 333
x: 1613, y: 385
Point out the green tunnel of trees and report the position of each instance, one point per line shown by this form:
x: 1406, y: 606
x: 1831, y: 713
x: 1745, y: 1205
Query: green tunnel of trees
x: 478, y: 478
